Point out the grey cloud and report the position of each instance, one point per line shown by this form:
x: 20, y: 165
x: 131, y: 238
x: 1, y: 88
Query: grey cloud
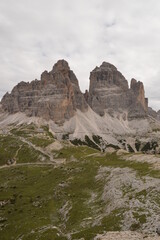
x: 35, y: 34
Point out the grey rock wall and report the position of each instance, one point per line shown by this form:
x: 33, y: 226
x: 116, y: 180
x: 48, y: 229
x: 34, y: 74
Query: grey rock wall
x: 109, y: 91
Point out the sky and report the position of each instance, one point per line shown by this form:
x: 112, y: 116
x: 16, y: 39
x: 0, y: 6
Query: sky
x: 35, y: 34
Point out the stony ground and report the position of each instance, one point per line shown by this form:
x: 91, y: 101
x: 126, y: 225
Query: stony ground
x: 124, y: 190
x: 127, y: 235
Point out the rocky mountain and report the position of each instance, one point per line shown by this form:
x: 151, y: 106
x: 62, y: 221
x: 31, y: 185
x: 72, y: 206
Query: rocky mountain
x: 87, y: 187
x: 56, y: 96
x: 113, y: 111
x: 109, y: 92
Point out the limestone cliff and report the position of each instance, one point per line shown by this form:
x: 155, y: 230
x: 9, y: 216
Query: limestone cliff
x: 56, y: 96
x: 109, y: 92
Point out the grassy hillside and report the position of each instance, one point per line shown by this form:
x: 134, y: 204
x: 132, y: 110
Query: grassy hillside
x: 72, y: 193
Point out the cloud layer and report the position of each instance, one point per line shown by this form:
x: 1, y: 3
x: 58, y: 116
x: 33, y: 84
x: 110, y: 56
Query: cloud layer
x: 35, y: 34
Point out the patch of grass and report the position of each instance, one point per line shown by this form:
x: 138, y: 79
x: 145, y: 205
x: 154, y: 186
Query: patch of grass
x: 112, y: 222
x: 141, y: 218
x: 110, y: 160
x: 12, y: 147
x: 31, y: 132
x: 127, y: 189
x: 46, y: 129
x: 79, y: 190
x: 39, y: 197
x: 45, y: 234
x: 24, y: 130
x: 28, y: 154
x: 31, y: 197
x: 8, y: 147
x: 35, y: 195
x: 79, y: 152
x: 142, y: 168
x: 19, y: 133
x: 41, y: 141
x: 142, y: 193
x: 135, y: 226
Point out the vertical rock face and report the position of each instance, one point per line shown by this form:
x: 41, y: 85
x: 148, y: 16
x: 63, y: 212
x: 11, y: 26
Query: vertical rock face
x: 56, y: 96
x: 108, y: 76
x: 138, y: 89
x: 109, y: 91
x: 139, y: 104
x: 107, y: 87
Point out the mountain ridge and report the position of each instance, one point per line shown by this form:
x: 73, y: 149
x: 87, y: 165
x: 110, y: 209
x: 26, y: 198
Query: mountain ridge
x: 113, y: 111
x: 62, y: 83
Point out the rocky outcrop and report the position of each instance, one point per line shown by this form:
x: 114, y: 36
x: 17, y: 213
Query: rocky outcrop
x: 138, y: 90
x: 109, y: 92
x: 107, y: 88
x: 138, y: 103
x: 152, y: 112
x: 56, y: 96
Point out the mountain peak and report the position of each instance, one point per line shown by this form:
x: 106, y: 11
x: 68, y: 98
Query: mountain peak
x: 61, y: 65
x: 109, y: 90
x: 107, y: 65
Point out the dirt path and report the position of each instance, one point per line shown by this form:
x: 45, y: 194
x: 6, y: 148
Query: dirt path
x: 27, y: 164
x: 16, y: 154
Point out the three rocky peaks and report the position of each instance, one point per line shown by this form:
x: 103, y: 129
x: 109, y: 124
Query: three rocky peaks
x: 57, y: 95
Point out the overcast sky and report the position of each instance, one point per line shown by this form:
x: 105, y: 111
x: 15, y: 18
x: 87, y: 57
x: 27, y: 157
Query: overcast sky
x: 34, y: 34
